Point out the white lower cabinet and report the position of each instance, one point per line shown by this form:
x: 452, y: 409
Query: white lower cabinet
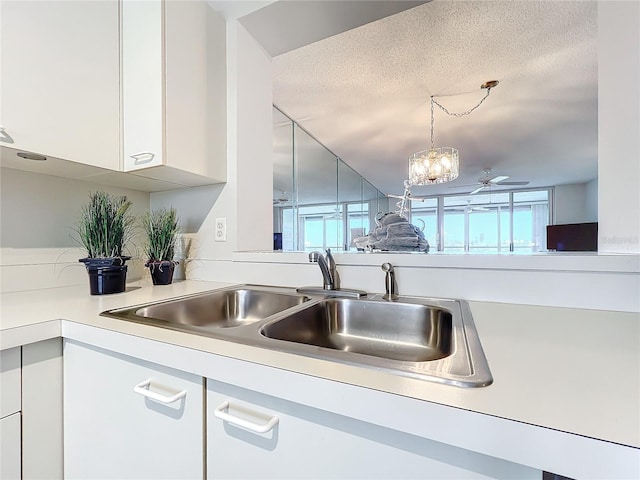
x: 10, y: 424
x: 10, y: 448
x: 10, y: 379
x: 252, y: 435
x: 126, y: 418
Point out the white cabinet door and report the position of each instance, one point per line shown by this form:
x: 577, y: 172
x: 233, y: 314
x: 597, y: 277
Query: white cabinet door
x: 10, y: 421
x: 59, y: 63
x: 129, y: 419
x: 10, y: 457
x: 303, y: 442
x: 42, y: 435
x: 142, y: 83
x: 174, y: 91
x: 10, y: 377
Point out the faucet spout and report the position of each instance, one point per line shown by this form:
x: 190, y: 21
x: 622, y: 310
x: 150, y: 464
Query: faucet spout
x: 331, y: 265
x: 325, y: 268
x: 330, y: 278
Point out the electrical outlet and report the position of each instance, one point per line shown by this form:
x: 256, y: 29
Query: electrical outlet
x: 221, y: 229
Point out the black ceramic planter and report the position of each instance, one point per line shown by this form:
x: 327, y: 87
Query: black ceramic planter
x: 161, y: 272
x: 106, y: 275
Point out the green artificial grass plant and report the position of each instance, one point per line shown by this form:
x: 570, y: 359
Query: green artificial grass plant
x: 161, y: 227
x: 105, y: 225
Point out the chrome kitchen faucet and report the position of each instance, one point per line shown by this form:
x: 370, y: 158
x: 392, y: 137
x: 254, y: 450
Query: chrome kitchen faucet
x: 327, y: 267
x: 330, y: 278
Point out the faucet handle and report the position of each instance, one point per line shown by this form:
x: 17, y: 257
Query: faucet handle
x: 331, y: 264
x: 313, y: 256
x: 390, y: 284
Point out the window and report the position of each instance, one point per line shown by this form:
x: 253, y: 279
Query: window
x: 288, y: 229
x: 500, y: 222
x: 424, y: 215
x: 487, y: 223
x: 321, y: 227
x: 358, y: 223
x: 530, y: 220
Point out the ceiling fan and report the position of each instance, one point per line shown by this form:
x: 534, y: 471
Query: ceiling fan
x: 336, y: 215
x: 281, y: 199
x: 468, y: 208
x: 488, y: 181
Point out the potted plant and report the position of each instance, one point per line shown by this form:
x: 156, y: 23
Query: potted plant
x: 105, y: 226
x: 161, y: 228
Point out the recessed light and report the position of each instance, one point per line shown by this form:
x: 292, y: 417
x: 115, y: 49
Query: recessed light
x: 32, y: 156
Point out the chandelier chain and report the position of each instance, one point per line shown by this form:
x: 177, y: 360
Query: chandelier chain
x: 432, y: 123
x: 462, y: 114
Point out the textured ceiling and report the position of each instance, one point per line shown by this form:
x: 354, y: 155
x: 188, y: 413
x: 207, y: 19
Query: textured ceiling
x: 365, y: 93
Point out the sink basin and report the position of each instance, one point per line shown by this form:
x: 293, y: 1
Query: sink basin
x: 427, y: 339
x: 430, y: 339
x: 212, y: 310
x: 405, y: 332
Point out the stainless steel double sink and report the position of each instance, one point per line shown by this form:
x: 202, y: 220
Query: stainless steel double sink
x: 425, y: 338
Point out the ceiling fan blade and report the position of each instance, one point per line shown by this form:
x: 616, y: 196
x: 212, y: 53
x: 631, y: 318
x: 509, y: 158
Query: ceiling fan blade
x: 479, y: 189
x: 498, y: 179
x: 416, y: 198
x: 514, y: 183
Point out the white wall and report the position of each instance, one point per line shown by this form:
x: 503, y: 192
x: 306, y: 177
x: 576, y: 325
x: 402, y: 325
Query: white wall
x: 591, y: 201
x: 618, y: 126
x: 254, y: 147
x: 38, y: 215
x: 570, y: 203
x: 245, y: 201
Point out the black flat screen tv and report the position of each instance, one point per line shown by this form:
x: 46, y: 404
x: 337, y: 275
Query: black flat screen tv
x: 573, y: 237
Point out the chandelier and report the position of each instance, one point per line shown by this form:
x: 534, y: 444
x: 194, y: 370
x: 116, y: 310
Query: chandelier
x: 440, y: 164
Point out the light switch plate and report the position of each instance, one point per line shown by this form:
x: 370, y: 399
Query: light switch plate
x: 221, y: 229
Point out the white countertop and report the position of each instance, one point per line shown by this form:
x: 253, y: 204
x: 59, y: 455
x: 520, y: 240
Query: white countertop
x: 572, y: 370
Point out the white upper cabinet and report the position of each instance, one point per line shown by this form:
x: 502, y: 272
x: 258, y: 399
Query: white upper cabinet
x: 142, y: 83
x: 61, y: 79
x: 172, y: 57
x: 103, y: 87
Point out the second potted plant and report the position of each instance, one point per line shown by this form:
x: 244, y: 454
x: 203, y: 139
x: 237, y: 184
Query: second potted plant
x: 161, y: 228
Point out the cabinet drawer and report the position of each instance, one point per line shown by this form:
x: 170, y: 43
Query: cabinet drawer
x: 252, y: 435
x: 10, y: 397
x: 129, y: 419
